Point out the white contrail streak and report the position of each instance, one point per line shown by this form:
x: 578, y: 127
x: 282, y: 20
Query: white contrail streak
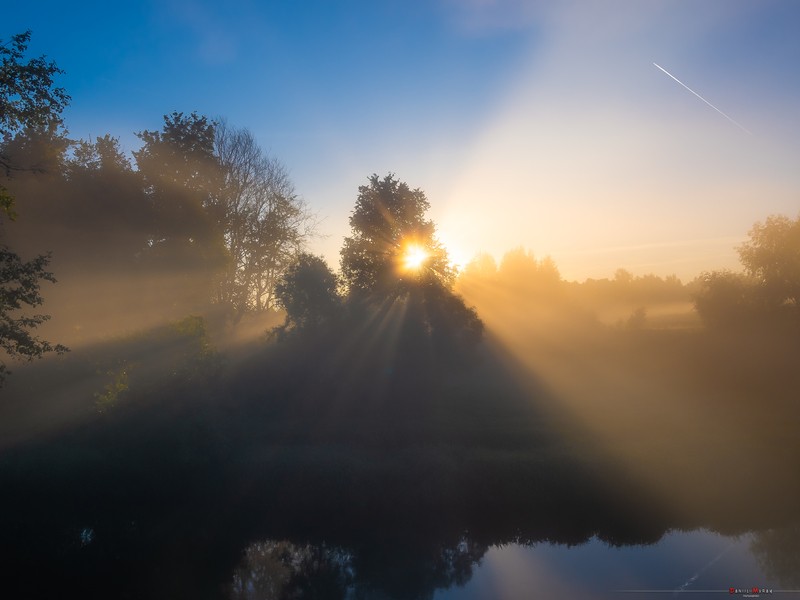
x: 703, y: 99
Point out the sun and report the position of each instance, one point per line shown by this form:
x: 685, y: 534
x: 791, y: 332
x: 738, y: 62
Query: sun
x: 414, y: 257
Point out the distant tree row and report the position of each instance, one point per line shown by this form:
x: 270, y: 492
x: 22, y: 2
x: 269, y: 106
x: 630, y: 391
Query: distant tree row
x: 766, y: 293
x: 526, y: 289
x: 521, y: 272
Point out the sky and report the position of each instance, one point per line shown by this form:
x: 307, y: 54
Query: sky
x: 537, y: 124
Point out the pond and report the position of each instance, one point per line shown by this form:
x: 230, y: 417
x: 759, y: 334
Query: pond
x: 407, y: 523
x: 699, y: 562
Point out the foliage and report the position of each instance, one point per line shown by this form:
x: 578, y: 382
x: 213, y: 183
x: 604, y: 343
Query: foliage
x: 388, y: 217
x: 112, y: 391
x: 19, y: 288
x: 206, y: 218
x: 389, y: 225
x: 182, y: 181
x: 520, y: 276
x: 224, y: 210
x: 265, y: 223
x: 182, y: 177
x: 28, y: 98
x: 309, y: 293
x: 772, y: 258
x: 191, y: 355
x: 30, y: 102
x: 768, y: 291
x: 724, y: 298
x: 520, y: 269
x: 104, y: 154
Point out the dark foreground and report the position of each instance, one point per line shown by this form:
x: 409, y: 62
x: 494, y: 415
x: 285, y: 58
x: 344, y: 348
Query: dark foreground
x: 250, y: 481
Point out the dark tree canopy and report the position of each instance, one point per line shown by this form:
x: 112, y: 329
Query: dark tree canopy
x: 182, y: 175
x: 28, y: 97
x: 29, y: 102
x: 393, y: 254
x: 19, y: 289
x: 183, y: 180
x: 266, y: 223
x: 104, y: 154
x: 388, y: 223
x: 309, y: 293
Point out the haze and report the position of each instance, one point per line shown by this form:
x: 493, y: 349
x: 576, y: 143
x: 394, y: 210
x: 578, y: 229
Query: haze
x: 527, y: 124
x: 399, y: 300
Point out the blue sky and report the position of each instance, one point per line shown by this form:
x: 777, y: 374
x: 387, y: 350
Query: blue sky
x: 527, y: 123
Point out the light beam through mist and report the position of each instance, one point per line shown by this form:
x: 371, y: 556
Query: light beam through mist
x: 703, y: 99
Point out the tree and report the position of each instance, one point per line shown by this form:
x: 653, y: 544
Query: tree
x: 393, y: 245
x: 521, y: 271
x: 183, y: 181
x: 768, y: 291
x: 772, y: 258
x: 265, y: 223
x: 393, y: 255
x: 724, y: 298
x: 104, y: 154
x: 101, y: 203
x: 28, y: 98
x: 19, y: 288
x: 28, y: 102
x: 309, y: 293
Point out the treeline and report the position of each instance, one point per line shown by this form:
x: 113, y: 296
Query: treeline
x: 202, y: 219
x: 766, y: 293
x: 527, y: 288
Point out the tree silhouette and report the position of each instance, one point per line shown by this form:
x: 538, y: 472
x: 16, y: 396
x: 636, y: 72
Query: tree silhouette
x: 388, y: 223
x: 182, y: 178
x: 308, y: 292
x: 265, y: 223
x: 724, y: 298
x: 28, y: 102
x: 768, y: 291
x: 19, y: 288
x: 772, y: 258
x: 393, y: 257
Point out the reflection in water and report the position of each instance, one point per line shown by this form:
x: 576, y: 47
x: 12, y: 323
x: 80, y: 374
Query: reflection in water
x: 778, y: 553
x: 681, y: 561
x: 696, y: 562
x: 280, y: 569
x: 370, y: 495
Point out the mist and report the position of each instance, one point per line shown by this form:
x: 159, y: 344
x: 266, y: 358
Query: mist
x: 194, y: 402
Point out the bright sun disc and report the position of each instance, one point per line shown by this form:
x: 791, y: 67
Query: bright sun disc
x: 414, y: 257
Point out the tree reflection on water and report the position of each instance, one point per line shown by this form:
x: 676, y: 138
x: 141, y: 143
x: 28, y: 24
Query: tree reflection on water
x: 282, y: 569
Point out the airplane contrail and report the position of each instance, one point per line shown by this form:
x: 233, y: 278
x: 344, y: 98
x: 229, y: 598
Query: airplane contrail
x: 704, y: 100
